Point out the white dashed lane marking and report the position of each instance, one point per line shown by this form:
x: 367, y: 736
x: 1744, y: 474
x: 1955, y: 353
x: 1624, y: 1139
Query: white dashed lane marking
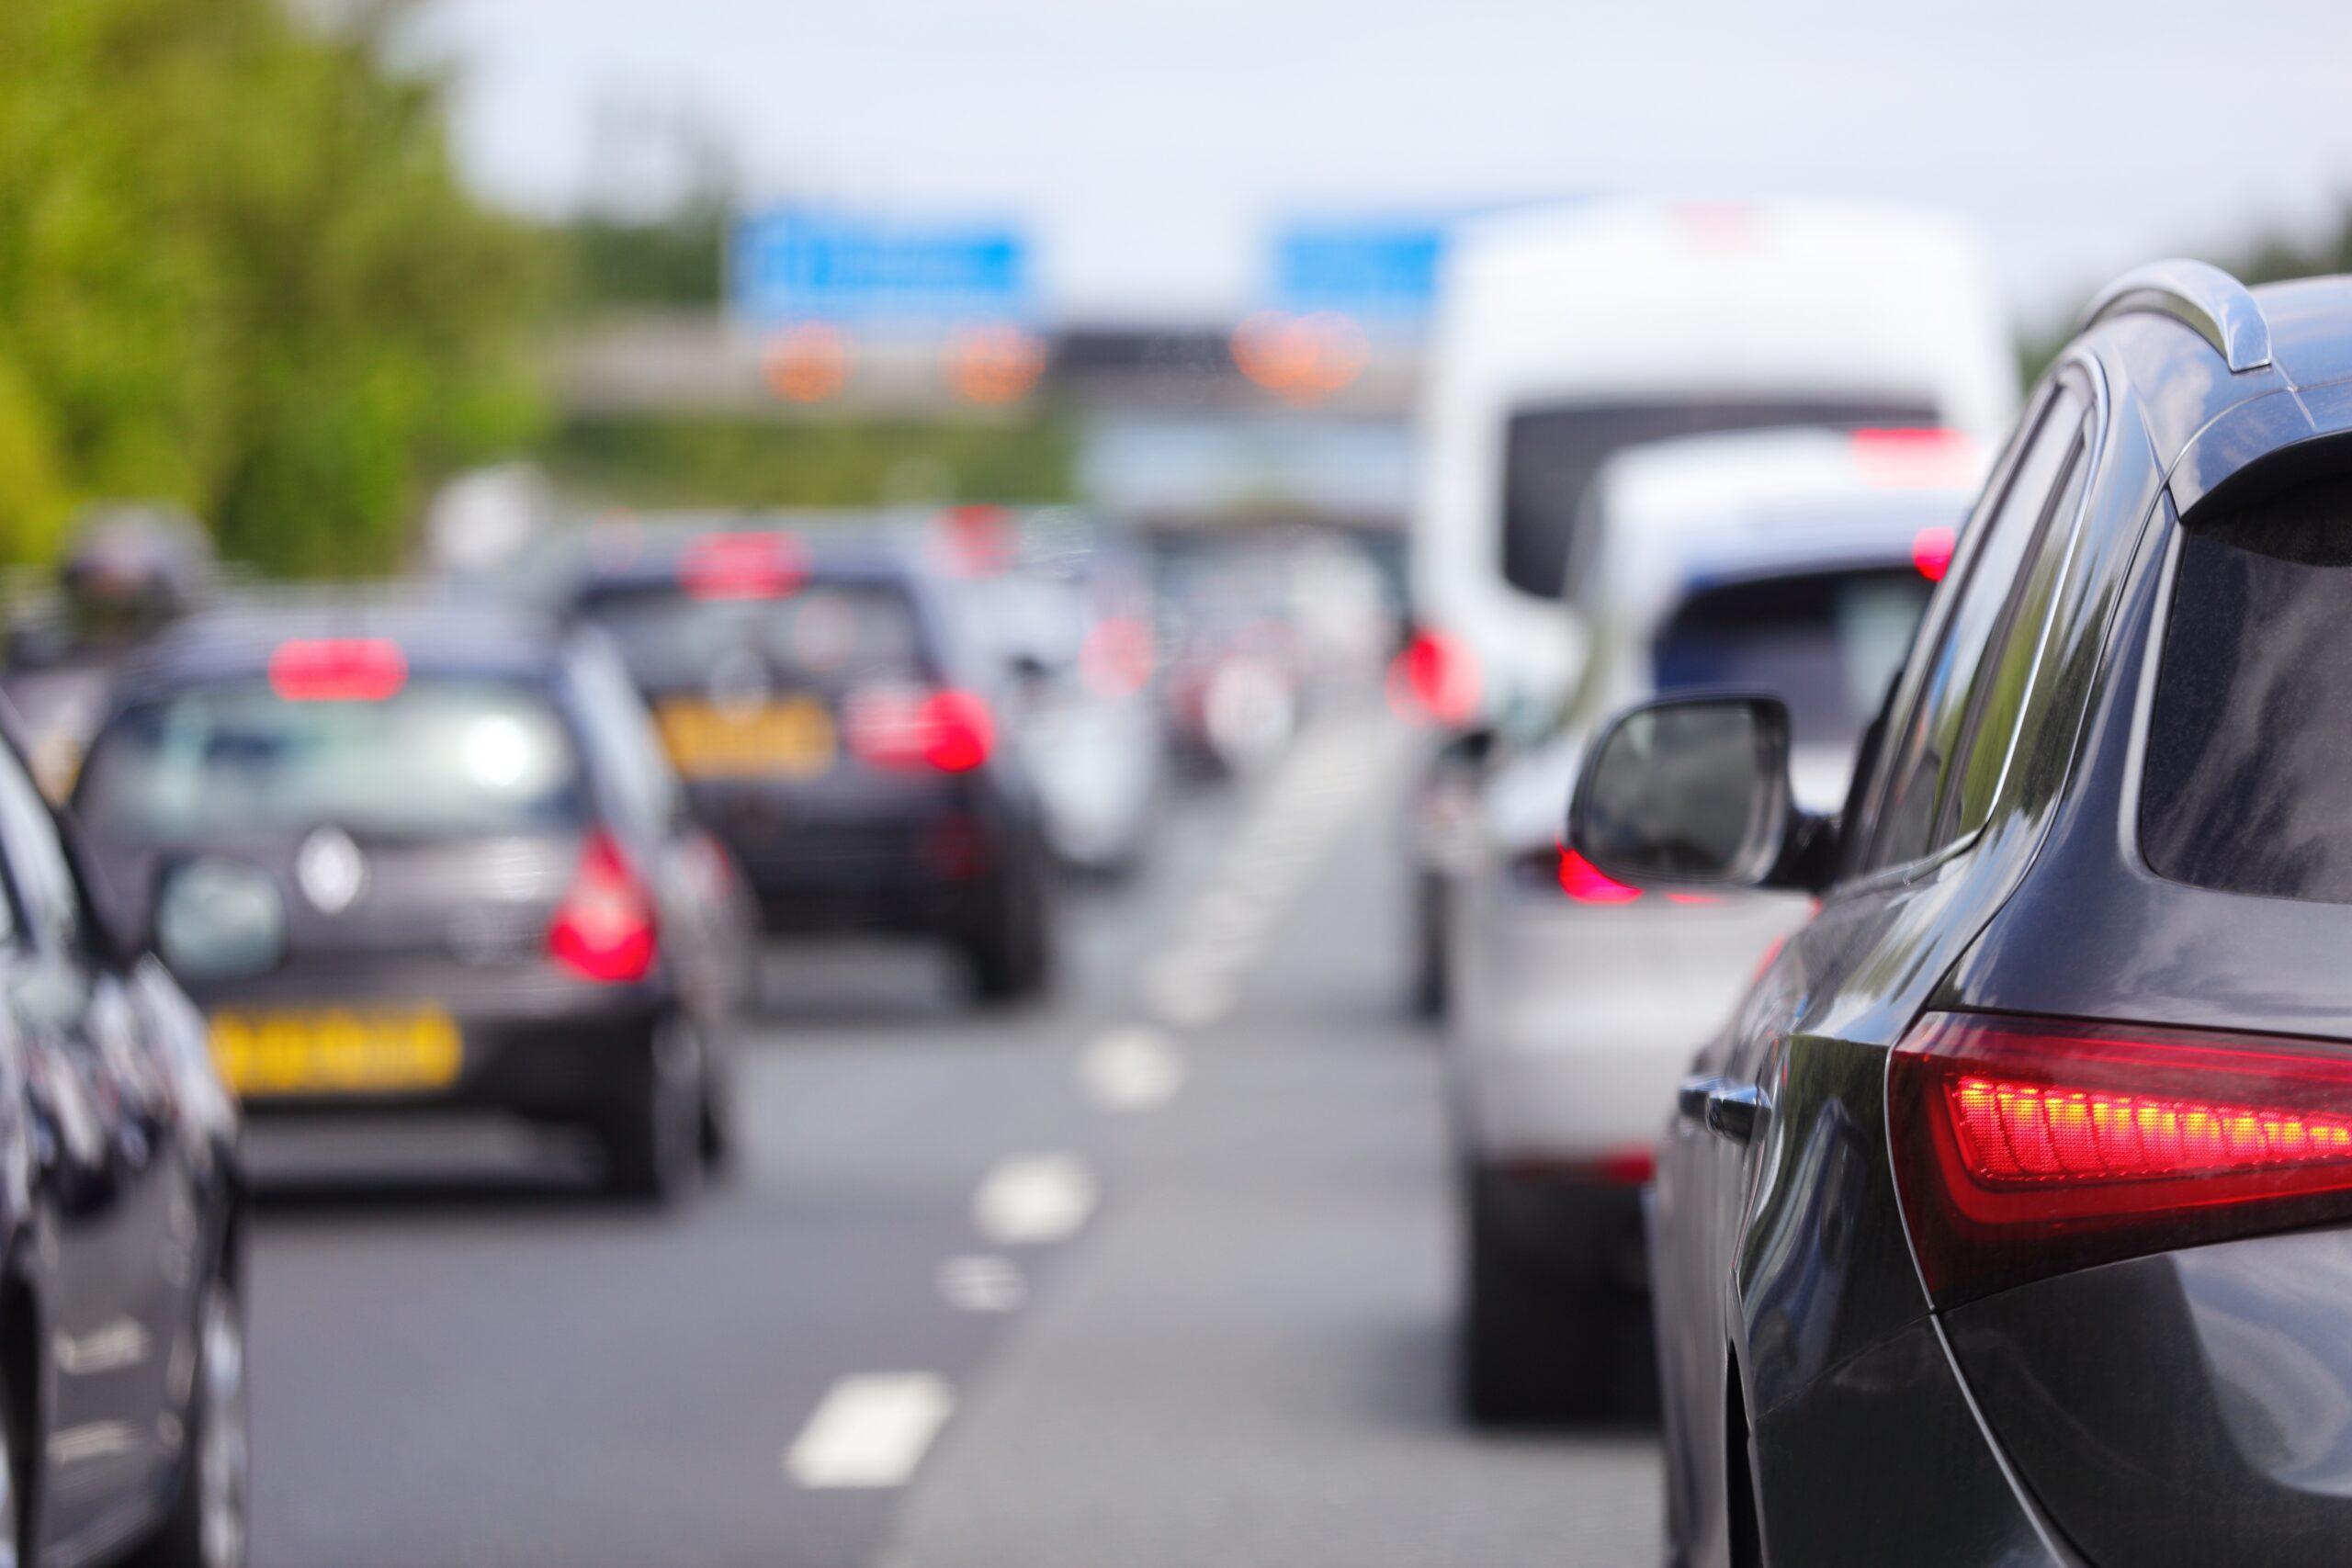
x: 1032, y: 1199
x: 870, y: 1430
x: 982, y: 1282
x: 1132, y: 1068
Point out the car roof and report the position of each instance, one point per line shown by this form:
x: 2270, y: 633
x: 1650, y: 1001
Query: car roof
x: 441, y: 636
x: 1678, y: 515
x: 835, y: 546
x: 1643, y: 296
x: 2228, y: 375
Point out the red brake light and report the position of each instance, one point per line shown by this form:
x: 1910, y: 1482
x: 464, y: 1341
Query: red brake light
x: 1116, y: 657
x: 604, y: 929
x: 742, y: 565
x: 1435, y: 677
x: 2025, y: 1148
x: 908, y: 727
x: 1588, y: 883
x: 1931, y: 551
x: 332, y: 670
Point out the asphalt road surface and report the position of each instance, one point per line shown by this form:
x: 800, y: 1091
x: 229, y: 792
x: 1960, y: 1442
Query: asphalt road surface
x: 1156, y: 1275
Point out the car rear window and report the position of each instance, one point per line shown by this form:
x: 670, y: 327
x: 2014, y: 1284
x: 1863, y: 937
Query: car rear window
x: 2247, y: 785
x: 1825, y: 642
x: 824, y: 635
x: 1550, y: 455
x: 441, y: 756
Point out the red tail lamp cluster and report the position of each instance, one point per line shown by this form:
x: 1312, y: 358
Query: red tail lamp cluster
x: 2026, y: 1147
x: 604, y: 930
x: 895, y: 727
x: 1436, y: 677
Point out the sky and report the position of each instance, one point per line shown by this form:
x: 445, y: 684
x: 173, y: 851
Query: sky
x: 1149, y: 145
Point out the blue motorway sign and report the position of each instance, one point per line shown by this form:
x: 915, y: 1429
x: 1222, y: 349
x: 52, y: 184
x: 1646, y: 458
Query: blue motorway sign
x: 1375, y: 270
x: 800, y: 264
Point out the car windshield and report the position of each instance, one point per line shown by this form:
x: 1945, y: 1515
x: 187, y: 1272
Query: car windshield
x: 439, y: 757
x: 2248, y: 781
x: 1825, y: 642
x: 821, y: 635
x: 1550, y: 455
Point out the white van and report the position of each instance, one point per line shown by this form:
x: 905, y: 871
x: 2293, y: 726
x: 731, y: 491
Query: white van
x: 1562, y: 334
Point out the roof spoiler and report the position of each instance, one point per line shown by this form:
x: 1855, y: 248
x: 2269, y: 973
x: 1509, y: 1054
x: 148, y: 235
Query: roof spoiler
x: 2200, y: 297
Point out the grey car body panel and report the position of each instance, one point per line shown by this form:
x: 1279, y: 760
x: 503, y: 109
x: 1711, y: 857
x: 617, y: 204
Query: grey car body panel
x: 2192, y: 1406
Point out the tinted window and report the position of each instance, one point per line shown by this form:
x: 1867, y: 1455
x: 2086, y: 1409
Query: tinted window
x: 828, y: 636
x: 1551, y: 454
x: 1998, y: 703
x: 1981, y: 591
x: 439, y: 757
x: 2248, y: 780
x: 620, y: 735
x: 1825, y: 643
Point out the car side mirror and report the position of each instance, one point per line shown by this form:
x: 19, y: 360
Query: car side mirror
x: 1694, y: 792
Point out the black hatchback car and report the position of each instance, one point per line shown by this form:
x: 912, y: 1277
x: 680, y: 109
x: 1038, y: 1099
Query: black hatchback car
x: 834, y: 730
x: 123, y: 1352
x: 2011, y: 1220
x: 425, y: 858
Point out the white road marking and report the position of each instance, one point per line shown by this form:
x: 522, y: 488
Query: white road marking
x: 1132, y: 1068
x: 1033, y: 1199
x: 1304, y: 808
x: 982, y: 1282
x: 870, y: 1430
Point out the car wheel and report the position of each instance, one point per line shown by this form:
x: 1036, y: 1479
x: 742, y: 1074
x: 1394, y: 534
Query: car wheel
x: 653, y: 1148
x: 12, y: 1513
x: 1011, y: 957
x: 1546, y: 1338
x: 1432, y: 991
x: 207, y: 1525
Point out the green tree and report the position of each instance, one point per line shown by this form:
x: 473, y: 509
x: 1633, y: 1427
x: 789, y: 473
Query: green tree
x: 237, y: 270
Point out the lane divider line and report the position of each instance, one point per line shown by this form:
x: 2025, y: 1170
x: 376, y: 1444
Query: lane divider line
x: 1029, y: 1199
x: 982, y: 1282
x: 870, y: 1430
x: 1132, y: 1068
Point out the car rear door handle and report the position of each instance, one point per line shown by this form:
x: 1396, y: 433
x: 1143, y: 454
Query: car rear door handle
x: 1726, y: 1108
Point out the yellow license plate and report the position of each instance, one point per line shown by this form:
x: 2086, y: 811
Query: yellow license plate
x: 791, y: 739
x: 337, y: 1051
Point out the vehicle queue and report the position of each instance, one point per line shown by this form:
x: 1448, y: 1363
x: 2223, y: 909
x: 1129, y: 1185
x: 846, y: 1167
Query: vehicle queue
x: 1912, y: 1032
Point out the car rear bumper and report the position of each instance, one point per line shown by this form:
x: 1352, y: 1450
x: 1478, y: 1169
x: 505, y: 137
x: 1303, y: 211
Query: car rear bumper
x: 929, y: 865
x: 582, y: 1059
x: 1573, y: 1023
x: 2189, y: 1406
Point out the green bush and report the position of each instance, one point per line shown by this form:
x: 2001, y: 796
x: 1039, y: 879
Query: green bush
x: 237, y: 271
x: 656, y: 461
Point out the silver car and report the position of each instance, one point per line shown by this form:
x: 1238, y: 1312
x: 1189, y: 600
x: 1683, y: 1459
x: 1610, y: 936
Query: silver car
x: 1792, y: 563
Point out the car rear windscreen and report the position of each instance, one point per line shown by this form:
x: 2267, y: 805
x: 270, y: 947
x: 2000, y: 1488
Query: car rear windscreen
x: 1550, y: 455
x: 437, y: 758
x: 2247, y: 785
x: 820, y: 635
x: 1825, y: 642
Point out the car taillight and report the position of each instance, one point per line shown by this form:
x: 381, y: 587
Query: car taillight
x: 1435, y: 677
x: 1588, y: 883
x: 604, y: 930
x: 2025, y: 1148
x: 1931, y: 551
x: 911, y: 727
x: 1116, y: 657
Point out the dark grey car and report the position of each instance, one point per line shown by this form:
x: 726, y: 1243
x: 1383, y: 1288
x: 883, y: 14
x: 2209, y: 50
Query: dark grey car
x: 2011, y: 1220
x: 423, y: 860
